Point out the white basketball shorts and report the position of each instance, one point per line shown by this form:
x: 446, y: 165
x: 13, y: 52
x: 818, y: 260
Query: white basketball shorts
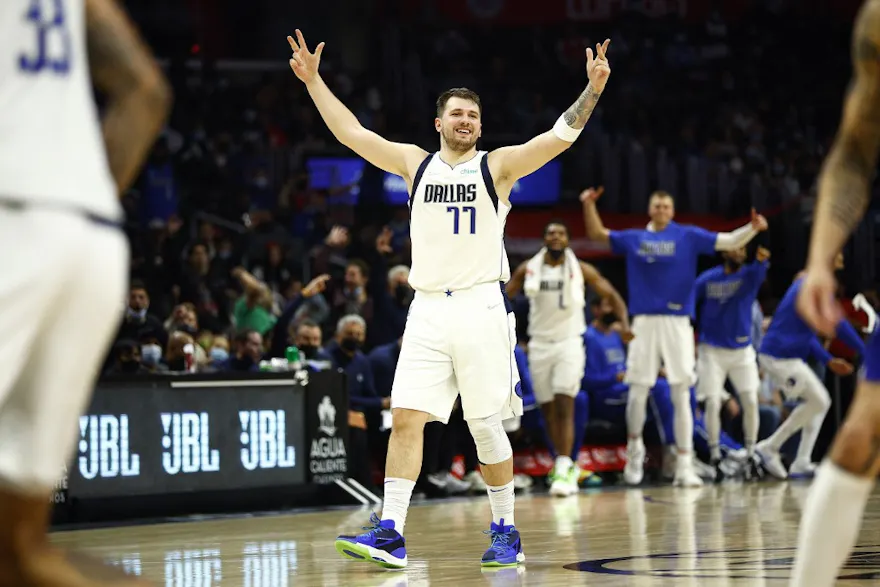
x: 557, y: 368
x: 793, y: 376
x: 62, y: 293
x: 666, y: 341
x: 455, y: 343
x: 716, y: 364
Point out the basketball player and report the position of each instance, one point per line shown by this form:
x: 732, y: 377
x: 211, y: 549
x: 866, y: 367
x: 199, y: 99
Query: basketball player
x: 64, y: 260
x: 783, y: 353
x: 724, y: 298
x: 661, y: 268
x: 833, y: 511
x: 553, y: 281
x: 460, y: 333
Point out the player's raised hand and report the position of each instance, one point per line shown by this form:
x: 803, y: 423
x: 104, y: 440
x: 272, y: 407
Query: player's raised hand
x: 598, y: 68
x: 383, y: 241
x: 759, y: 223
x: 303, y: 62
x: 840, y: 367
x: 315, y: 286
x: 817, y: 300
x: 591, y: 194
x: 762, y: 254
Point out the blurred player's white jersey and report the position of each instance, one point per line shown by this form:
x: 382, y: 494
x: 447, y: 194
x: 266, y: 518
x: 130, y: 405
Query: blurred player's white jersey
x: 456, y: 226
x: 550, y: 318
x: 51, y: 148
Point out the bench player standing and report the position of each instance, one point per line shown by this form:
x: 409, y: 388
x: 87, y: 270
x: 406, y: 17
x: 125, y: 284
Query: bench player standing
x: 460, y: 334
x: 64, y: 259
x: 661, y: 269
x: 554, y: 281
x: 724, y: 298
x: 832, y: 514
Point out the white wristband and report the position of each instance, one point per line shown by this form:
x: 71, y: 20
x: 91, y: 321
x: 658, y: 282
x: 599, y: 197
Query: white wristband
x: 565, y: 132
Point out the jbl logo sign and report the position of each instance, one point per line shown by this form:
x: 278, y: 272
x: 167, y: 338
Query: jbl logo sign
x: 187, y: 444
x: 264, y: 440
x: 104, y: 450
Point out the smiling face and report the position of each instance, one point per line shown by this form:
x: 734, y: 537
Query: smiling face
x: 458, y: 120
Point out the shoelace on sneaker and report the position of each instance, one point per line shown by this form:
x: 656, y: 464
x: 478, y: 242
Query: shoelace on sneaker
x: 370, y: 530
x: 500, y: 540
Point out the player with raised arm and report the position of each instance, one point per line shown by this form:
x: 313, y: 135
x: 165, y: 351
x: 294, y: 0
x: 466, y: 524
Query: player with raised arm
x: 724, y: 296
x: 460, y: 333
x: 64, y: 260
x: 832, y: 514
x: 554, y: 282
x: 661, y: 269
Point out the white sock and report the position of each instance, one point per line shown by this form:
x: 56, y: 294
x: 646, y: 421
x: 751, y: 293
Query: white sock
x: 809, y: 435
x: 751, y: 419
x: 714, y: 453
x: 830, y: 525
x: 396, y: 502
x: 636, y: 406
x: 712, y: 416
x: 684, y: 418
x: 501, y: 501
x: 563, y: 464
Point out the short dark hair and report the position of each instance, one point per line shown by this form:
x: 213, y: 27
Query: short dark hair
x: 361, y: 265
x: 137, y: 284
x: 662, y: 194
x: 308, y: 323
x: 242, y: 336
x: 560, y: 223
x: 463, y: 93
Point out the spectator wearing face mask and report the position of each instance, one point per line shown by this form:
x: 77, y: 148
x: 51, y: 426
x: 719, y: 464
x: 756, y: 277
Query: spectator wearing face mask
x: 219, y: 352
x: 364, y: 405
x: 128, y: 359
x: 151, y: 354
x: 345, y: 353
x: 138, y: 322
x: 390, y: 293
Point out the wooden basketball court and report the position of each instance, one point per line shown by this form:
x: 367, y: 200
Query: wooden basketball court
x: 738, y: 534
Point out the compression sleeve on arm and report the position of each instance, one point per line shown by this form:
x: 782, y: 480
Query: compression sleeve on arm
x: 727, y: 241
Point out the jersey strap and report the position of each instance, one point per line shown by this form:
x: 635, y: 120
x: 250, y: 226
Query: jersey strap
x: 487, y: 179
x: 419, y: 173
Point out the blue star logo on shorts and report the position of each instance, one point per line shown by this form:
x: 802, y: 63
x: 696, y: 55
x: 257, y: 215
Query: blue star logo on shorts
x: 448, y: 293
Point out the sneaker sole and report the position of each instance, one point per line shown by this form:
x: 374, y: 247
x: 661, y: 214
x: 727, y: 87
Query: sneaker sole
x: 364, y: 553
x: 520, y: 558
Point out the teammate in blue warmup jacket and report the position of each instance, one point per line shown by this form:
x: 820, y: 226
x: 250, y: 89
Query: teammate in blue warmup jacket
x: 724, y: 298
x: 784, y: 350
x: 661, y: 268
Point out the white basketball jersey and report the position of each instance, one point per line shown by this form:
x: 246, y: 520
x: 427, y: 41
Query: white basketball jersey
x: 549, y: 318
x: 51, y: 147
x: 456, y: 226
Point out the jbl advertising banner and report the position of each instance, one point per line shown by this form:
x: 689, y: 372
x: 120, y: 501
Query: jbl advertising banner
x: 190, y: 435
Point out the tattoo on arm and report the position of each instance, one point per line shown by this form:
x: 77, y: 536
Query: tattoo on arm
x: 848, y: 173
x: 579, y: 113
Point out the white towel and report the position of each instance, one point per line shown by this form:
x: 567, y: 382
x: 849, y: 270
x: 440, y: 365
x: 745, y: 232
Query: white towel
x: 572, y: 289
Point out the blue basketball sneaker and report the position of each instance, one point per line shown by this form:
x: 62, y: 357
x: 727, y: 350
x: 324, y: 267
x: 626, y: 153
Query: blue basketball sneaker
x: 506, y: 547
x: 380, y: 544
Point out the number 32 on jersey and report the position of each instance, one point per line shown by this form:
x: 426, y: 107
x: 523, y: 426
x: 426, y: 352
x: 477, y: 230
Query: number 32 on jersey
x: 50, y: 51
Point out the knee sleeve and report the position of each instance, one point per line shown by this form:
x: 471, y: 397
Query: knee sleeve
x: 492, y: 443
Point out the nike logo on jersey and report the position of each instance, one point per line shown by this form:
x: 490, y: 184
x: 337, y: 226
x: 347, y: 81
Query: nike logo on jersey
x: 450, y: 194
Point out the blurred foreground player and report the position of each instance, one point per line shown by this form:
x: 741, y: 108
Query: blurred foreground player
x: 460, y: 331
x: 832, y: 514
x: 64, y: 260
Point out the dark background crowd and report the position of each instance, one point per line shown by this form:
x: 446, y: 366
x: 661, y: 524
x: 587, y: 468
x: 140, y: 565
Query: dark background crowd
x: 235, y: 256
